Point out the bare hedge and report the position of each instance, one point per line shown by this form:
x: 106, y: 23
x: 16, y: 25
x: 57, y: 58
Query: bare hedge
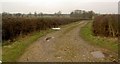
x: 15, y: 26
x: 106, y: 25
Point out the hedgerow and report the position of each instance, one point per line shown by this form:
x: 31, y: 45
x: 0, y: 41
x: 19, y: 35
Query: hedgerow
x: 106, y: 25
x: 12, y: 26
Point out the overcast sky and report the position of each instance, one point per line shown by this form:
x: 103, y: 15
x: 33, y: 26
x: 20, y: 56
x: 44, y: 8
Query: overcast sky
x: 52, y: 6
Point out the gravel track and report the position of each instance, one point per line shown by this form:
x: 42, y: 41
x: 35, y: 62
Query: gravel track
x: 66, y: 45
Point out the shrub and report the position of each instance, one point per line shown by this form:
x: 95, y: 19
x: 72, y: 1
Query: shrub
x: 106, y: 25
x: 14, y: 26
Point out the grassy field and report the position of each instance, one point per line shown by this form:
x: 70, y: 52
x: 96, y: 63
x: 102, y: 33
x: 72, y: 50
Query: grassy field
x: 108, y: 43
x: 13, y: 51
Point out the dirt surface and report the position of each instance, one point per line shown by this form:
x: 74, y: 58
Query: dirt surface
x: 64, y: 45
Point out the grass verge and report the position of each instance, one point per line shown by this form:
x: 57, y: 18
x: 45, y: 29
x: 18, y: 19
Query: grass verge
x: 13, y: 51
x: 108, y: 43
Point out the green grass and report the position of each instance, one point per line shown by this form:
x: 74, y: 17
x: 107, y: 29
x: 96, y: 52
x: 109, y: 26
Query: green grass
x: 108, y: 43
x: 13, y: 51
